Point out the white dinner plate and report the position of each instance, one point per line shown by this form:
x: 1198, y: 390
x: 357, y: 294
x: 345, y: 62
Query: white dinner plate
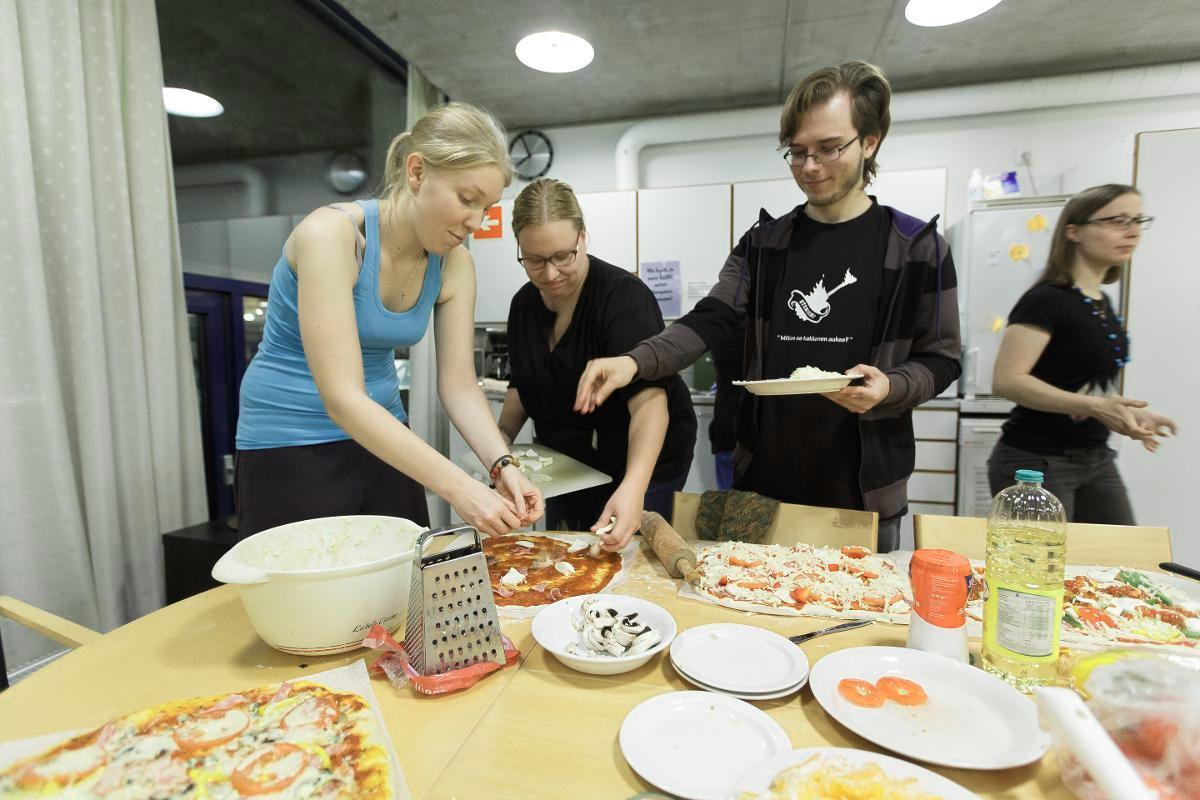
x: 758, y: 778
x: 971, y: 720
x: 696, y: 744
x: 739, y: 658
x: 750, y: 696
x: 797, y: 385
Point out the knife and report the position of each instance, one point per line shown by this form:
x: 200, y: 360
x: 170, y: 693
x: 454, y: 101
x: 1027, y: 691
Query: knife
x: 1180, y: 569
x: 845, y: 626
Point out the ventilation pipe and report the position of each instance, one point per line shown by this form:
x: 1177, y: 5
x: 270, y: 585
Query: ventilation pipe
x: 255, y: 188
x: 1140, y: 83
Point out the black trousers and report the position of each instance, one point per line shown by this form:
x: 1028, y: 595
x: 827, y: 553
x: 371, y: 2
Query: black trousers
x: 279, y: 485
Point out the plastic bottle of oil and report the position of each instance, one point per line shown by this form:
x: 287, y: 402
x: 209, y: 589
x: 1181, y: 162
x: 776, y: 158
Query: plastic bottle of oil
x: 1026, y: 544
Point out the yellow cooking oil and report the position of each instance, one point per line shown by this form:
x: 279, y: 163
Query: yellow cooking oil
x: 1022, y: 614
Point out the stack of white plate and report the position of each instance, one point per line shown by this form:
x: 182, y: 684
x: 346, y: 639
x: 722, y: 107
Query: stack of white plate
x: 739, y: 660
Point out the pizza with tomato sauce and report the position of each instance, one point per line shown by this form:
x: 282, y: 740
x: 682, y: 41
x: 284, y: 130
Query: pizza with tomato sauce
x: 849, y: 582
x: 289, y: 740
x: 530, y: 570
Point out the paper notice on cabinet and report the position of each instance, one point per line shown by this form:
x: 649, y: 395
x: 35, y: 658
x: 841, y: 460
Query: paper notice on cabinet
x: 663, y: 278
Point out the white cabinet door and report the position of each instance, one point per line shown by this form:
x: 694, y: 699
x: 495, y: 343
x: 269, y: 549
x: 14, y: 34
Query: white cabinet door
x: 255, y: 245
x: 204, y: 247
x: 611, y: 220
x: 688, y: 226
x: 498, y: 276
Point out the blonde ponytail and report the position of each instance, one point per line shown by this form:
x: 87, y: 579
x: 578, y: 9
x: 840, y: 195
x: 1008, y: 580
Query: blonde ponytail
x: 393, y: 162
x: 453, y: 136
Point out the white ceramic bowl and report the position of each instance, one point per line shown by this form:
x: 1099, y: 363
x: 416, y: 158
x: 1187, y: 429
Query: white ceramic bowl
x: 553, y: 630
x: 316, y: 587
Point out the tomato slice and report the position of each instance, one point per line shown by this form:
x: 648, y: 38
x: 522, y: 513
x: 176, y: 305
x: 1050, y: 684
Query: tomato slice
x: 861, y: 693
x: 320, y: 712
x: 211, y: 729
x: 1094, y: 616
x: 902, y: 690
x: 63, y: 768
x: 271, y: 769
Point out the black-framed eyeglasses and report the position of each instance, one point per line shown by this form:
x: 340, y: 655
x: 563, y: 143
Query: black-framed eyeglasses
x: 797, y: 158
x: 1121, y: 222
x: 563, y: 258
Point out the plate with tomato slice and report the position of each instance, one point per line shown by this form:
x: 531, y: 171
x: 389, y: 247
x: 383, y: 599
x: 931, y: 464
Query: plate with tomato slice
x: 929, y: 707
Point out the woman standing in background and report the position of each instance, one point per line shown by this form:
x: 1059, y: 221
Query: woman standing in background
x: 1060, y: 360
x: 322, y: 429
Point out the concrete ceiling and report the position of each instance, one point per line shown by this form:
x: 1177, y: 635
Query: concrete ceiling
x: 665, y: 56
x: 290, y: 85
x: 288, y: 81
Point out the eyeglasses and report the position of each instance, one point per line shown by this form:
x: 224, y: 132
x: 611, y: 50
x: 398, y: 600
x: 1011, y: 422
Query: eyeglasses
x: 564, y: 258
x: 797, y: 158
x: 1121, y: 222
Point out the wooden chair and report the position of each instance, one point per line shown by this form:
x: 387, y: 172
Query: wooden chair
x: 795, y: 523
x: 1137, y: 546
x: 54, y: 627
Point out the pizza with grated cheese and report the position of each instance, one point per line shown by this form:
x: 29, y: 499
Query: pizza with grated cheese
x: 849, y: 581
x: 291, y: 740
x: 1118, y: 607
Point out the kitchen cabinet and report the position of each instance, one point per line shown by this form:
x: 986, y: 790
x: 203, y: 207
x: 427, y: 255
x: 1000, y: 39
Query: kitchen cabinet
x: 688, y: 225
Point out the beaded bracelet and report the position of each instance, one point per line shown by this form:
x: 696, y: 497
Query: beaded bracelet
x: 499, y: 464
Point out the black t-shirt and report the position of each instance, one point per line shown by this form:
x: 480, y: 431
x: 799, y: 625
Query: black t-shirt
x: 821, y: 313
x: 1087, y: 348
x: 615, y: 311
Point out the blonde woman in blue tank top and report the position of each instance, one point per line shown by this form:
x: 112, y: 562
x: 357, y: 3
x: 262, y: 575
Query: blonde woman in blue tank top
x: 322, y: 430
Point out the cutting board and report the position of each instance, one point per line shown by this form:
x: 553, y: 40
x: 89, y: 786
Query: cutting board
x: 566, y: 474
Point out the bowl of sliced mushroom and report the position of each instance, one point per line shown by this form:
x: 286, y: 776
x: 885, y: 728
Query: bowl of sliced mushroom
x: 604, y: 634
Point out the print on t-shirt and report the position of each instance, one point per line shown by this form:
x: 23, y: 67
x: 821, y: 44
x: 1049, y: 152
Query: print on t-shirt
x: 814, y: 306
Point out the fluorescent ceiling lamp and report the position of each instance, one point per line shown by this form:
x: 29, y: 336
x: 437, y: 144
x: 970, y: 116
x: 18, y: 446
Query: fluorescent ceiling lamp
x: 555, y: 51
x: 936, y: 13
x: 186, y: 103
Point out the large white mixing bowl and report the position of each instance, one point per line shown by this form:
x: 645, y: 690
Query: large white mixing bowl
x: 316, y: 587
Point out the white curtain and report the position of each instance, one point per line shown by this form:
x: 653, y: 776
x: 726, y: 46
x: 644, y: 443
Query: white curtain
x: 98, y: 409
x: 428, y: 420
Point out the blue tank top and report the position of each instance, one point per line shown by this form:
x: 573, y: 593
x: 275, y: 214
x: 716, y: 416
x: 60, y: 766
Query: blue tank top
x: 280, y: 405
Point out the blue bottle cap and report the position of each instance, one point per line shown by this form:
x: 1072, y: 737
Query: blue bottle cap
x: 1030, y: 476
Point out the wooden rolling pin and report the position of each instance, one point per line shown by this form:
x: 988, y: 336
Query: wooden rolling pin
x: 675, y: 554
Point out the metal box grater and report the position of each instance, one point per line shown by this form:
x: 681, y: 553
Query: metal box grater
x: 452, y: 619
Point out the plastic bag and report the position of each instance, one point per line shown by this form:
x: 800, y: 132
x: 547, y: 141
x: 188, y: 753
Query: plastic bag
x: 396, y: 667
x: 1149, y: 704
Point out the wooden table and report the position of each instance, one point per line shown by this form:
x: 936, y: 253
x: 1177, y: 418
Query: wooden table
x: 539, y: 730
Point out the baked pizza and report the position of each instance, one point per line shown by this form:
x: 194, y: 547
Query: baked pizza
x: 531, y: 570
x: 802, y: 579
x: 289, y: 740
x: 1119, y: 606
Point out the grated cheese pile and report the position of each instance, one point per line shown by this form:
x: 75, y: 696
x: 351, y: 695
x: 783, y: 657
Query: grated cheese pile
x: 826, y: 778
x: 325, y: 544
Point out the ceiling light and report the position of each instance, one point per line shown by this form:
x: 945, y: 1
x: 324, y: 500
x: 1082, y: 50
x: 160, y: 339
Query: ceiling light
x: 936, y: 13
x: 186, y: 103
x: 555, y: 51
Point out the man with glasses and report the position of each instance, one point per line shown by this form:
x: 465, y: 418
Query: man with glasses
x: 840, y: 283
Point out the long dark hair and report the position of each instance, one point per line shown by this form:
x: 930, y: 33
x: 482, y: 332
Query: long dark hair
x: 1077, y: 211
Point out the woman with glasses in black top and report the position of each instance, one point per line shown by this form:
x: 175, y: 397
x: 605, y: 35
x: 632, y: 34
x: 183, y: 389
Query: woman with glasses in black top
x: 575, y: 308
x: 1060, y: 359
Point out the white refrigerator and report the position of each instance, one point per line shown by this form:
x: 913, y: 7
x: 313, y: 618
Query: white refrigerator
x: 1003, y: 245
